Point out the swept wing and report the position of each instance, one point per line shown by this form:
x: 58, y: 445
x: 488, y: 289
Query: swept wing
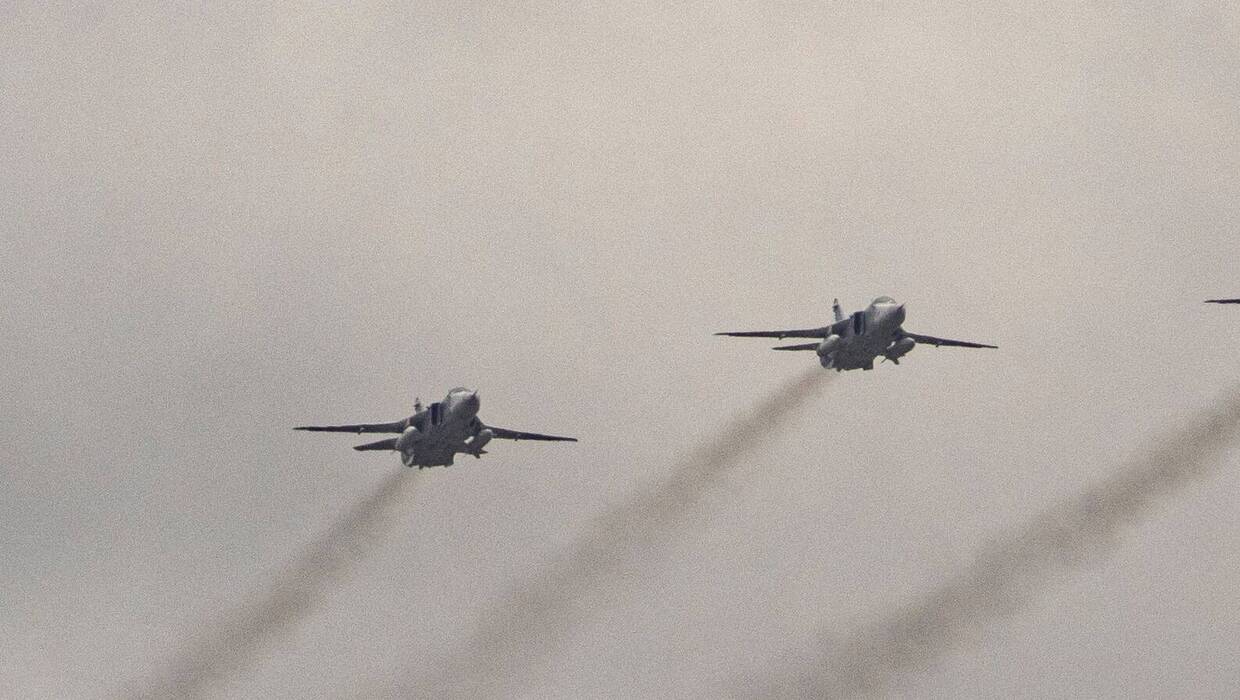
x: 506, y: 434
x: 931, y: 340
x: 394, y: 427
x: 823, y: 332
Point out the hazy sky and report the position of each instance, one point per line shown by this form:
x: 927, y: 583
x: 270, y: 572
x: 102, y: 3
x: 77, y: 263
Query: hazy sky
x: 220, y: 222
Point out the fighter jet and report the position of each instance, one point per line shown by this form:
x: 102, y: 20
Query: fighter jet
x: 1223, y: 301
x: 433, y: 436
x: 855, y: 341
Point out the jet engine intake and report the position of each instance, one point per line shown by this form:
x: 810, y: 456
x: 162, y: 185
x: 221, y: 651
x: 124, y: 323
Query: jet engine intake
x: 829, y: 345
x: 407, y: 439
x: 480, y: 441
x: 899, y: 349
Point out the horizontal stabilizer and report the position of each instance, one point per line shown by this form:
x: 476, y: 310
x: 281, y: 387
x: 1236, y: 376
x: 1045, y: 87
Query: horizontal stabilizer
x: 803, y: 346
x: 388, y: 444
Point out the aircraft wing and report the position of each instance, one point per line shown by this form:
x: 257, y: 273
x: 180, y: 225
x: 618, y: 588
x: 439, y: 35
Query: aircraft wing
x: 388, y: 444
x: 795, y: 333
x: 1223, y: 301
x: 506, y: 434
x: 395, y: 427
x: 931, y: 340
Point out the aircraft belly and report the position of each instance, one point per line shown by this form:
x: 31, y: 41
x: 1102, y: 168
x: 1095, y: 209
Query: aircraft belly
x: 425, y: 458
x: 439, y: 448
x: 851, y: 356
x: 433, y: 451
x: 858, y: 353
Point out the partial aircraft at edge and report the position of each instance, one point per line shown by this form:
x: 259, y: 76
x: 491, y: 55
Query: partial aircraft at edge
x: 854, y: 342
x: 1223, y: 301
x: 433, y: 436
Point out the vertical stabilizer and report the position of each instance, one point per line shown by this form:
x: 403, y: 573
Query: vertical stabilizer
x: 839, y: 313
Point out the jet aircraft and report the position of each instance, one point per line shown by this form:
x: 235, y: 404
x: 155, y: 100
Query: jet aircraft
x: 433, y: 436
x: 1223, y: 301
x: 854, y: 342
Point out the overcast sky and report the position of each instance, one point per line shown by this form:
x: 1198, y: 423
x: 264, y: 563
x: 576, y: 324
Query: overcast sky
x: 218, y: 222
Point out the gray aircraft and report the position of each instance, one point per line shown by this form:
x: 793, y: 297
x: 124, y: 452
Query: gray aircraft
x: 1223, y: 301
x: 854, y: 342
x: 433, y: 436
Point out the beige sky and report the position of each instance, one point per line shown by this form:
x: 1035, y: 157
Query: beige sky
x: 221, y: 222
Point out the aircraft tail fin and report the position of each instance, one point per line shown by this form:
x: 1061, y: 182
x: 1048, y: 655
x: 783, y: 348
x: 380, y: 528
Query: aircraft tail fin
x: 839, y: 313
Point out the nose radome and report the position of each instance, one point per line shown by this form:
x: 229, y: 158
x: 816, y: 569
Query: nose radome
x: 890, y: 314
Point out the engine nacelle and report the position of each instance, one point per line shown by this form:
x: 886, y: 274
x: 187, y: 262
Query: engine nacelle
x: 900, y: 348
x: 405, y: 442
x: 828, y: 345
x: 480, y: 441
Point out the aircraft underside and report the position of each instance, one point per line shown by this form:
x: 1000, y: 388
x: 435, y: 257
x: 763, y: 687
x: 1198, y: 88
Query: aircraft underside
x: 857, y: 353
x: 422, y: 460
x: 443, y: 452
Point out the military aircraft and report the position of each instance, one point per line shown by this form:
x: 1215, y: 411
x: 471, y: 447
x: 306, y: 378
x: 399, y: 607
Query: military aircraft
x: 1223, y: 301
x: 432, y: 436
x: 854, y: 342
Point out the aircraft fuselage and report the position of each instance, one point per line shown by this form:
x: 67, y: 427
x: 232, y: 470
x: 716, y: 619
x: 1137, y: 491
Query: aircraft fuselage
x: 442, y: 430
x: 869, y: 334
